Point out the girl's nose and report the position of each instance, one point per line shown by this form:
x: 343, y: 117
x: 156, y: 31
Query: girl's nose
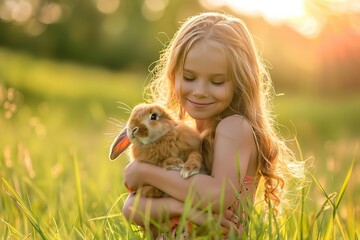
x: 200, y: 90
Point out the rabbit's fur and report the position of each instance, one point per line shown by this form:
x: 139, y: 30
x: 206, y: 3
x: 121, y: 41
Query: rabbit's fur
x: 155, y: 137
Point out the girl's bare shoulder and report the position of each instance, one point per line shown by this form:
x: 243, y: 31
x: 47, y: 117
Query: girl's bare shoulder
x: 235, y: 127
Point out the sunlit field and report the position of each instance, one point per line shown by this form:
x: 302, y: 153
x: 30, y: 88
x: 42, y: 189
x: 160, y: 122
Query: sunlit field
x: 57, y: 121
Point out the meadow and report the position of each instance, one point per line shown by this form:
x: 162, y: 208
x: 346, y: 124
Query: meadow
x: 58, y: 119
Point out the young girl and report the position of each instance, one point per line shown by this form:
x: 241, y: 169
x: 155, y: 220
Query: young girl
x: 212, y: 74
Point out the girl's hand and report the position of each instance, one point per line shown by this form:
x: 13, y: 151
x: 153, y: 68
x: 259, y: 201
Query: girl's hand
x: 231, y: 216
x: 230, y: 222
x: 133, y: 177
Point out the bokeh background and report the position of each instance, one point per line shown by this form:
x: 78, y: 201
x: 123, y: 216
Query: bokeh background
x: 66, y: 64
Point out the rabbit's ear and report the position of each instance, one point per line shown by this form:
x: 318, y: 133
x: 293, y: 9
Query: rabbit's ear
x: 120, y: 144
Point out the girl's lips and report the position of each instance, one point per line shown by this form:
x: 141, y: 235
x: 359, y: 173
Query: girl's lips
x: 196, y: 104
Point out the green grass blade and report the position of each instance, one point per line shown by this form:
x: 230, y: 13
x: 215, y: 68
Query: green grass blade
x: 325, y: 205
x: 29, y: 214
x: 323, y: 191
x: 329, y: 234
x: 346, y: 181
x: 78, y: 188
x: 302, y: 214
x: 341, y: 227
x: 11, y: 228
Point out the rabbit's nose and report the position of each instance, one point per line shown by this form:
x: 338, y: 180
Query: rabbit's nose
x: 134, y: 131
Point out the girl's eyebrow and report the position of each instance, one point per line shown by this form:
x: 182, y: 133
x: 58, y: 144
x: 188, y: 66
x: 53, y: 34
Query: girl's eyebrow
x: 213, y: 74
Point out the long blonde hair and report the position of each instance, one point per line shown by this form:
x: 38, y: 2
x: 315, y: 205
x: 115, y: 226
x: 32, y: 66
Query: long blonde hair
x: 253, y: 90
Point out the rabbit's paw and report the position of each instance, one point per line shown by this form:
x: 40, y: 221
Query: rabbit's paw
x: 176, y: 167
x: 173, y: 163
x: 189, y: 169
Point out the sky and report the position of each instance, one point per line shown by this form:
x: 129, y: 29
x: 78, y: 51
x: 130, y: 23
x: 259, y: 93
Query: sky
x: 298, y: 14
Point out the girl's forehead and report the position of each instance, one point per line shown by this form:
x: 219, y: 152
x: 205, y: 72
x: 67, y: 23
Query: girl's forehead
x: 206, y: 55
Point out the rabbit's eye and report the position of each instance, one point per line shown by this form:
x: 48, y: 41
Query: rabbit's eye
x: 154, y: 116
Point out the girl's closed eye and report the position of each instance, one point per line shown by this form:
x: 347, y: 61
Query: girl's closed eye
x: 217, y: 82
x: 189, y: 78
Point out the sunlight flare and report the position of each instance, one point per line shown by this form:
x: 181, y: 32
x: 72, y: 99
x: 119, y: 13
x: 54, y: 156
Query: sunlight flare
x: 305, y: 16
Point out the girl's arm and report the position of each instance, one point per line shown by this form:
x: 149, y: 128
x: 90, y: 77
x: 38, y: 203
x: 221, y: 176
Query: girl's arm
x: 234, y: 149
x: 139, y: 209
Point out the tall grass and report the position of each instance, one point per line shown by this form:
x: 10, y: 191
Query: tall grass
x: 114, y: 226
x: 57, y: 183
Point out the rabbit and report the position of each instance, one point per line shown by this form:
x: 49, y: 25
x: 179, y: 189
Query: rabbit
x: 155, y: 137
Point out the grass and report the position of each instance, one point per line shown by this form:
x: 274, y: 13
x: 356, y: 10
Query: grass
x: 57, y: 182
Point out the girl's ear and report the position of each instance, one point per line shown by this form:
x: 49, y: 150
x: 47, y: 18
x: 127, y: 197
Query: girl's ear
x: 120, y: 144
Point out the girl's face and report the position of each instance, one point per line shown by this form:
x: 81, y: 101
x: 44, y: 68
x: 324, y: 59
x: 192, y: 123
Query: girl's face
x: 203, y: 87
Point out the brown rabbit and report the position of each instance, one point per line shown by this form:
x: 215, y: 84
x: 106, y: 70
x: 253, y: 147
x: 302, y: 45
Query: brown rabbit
x: 158, y: 139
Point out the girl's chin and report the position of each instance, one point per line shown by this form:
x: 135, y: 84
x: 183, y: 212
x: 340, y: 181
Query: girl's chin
x: 199, y: 116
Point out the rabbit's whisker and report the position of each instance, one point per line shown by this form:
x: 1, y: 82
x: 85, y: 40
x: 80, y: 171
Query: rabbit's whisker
x: 111, y: 133
x: 124, y: 106
x: 116, y: 122
x: 125, y: 109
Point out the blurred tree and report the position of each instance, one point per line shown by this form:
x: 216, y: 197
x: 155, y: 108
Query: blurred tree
x: 338, y: 45
x: 128, y: 34
x: 114, y: 33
